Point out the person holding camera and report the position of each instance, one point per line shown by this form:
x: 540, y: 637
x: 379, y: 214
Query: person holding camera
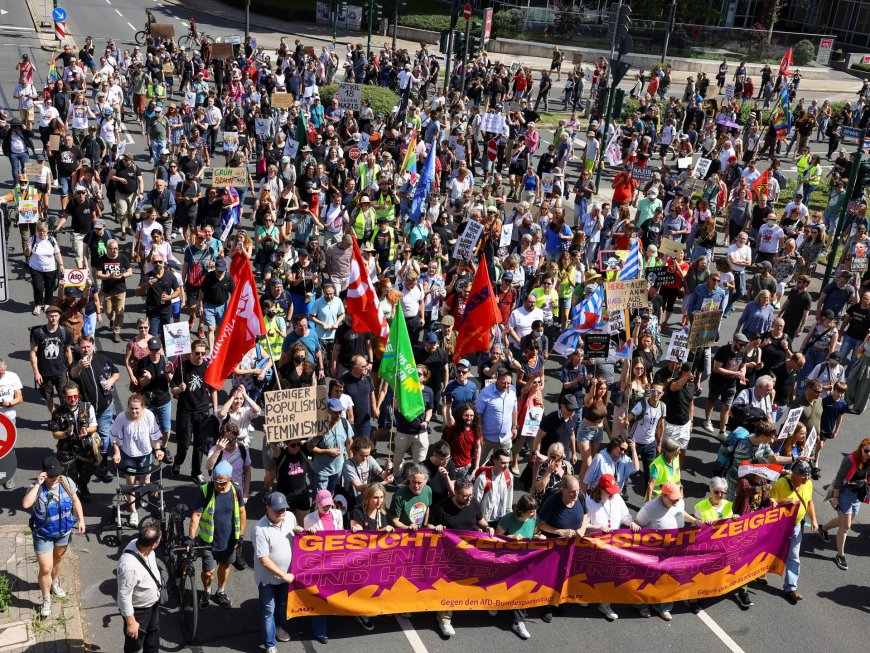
x: 72, y: 424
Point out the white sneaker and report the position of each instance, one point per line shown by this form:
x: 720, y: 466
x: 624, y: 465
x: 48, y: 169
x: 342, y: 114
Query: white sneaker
x: 134, y: 519
x: 607, y: 611
x: 57, y: 590
x: 282, y: 635
x: 45, y: 610
x: 708, y: 426
x: 272, y: 649
x: 519, y: 628
x: 447, y: 629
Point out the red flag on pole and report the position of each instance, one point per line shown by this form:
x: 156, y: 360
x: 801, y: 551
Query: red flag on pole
x: 243, y: 322
x: 480, y: 315
x: 786, y: 62
x: 361, y: 300
x: 760, y: 185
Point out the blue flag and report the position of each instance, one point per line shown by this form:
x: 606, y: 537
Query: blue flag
x: 424, y: 185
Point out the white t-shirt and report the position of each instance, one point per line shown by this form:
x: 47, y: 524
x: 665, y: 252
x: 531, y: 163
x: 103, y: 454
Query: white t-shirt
x: 243, y: 419
x: 611, y: 514
x: 769, y: 238
x: 9, y: 383
x: 135, y: 438
x: 743, y: 253
x: 411, y: 301
x: 235, y: 459
x: 521, y: 320
x: 42, y: 254
x: 655, y: 515
x: 643, y: 429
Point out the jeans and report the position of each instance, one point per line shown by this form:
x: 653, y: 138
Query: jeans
x: 156, y: 322
x: 273, y: 600
x: 188, y: 430
x: 18, y: 160
x: 847, y: 350
x: 156, y: 149
x: 324, y: 481
x: 793, y: 563
x: 318, y: 626
x: 104, y: 426
x: 646, y: 453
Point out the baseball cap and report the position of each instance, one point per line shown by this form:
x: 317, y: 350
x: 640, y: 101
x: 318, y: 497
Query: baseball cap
x: 828, y: 313
x: 86, y: 163
x: 767, y: 265
x: 223, y: 468
x: 463, y: 362
x: 51, y: 466
x: 801, y: 468
x: 835, y: 357
x: 570, y: 402
x: 81, y: 189
x: 324, y: 498
x: 431, y: 337
x: 99, y: 224
x: 671, y: 491
x: 301, y: 252
x: 739, y: 337
x: 154, y: 343
x: 220, y: 264
x: 285, y: 159
x: 507, y: 276
x: 40, y: 156
x: 277, y: 501
x: 608, y: 483
x: 334, y: 405
x: 448, y: 320
x: 164, y: 151
x: 277, y: 281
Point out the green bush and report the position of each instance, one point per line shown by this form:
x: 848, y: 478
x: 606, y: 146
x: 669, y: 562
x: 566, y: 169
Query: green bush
x: 863, y: 67
x: 507, y: 23
x: 804, y: 52
x: 435, y: 23
x: 382, y: 99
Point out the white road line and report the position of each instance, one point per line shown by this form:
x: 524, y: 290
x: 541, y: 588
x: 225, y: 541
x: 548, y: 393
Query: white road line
x: 721, y: 634
x: 108, y: 2
x: 119, y: 13
x: 17, y: 29
x: 131, y: 26
x: 413, y: 638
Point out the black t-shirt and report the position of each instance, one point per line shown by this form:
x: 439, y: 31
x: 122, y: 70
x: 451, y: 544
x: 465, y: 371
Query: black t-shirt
x: 183, y: 207
x: 51, y: 349
x: 435, y: 362
x: 679, y: 403
x: 759, y: 215
x: 217, y: 291
x: 413, y: 427
x: 730, y: 360
x: 68, y: 160
x: 367, y: 523
x: 859, y: 321
x: 351, y: 344
x: 117, y: 266
x: 91, y: 378
x: 153, y: 295
x: 197, y: 395
x: 773, y: 355
x: 130, y: 175
x: 305, y: 276
x: 437, y: 482
x: 798, y: 302
x: 98, y: 246
x: 157, y: 390
x: 190, y: 165
x: 359, y: 389
x: 81, y: 215
x: 447, y: 514
x: 291, y: 470
x: 557, y: 429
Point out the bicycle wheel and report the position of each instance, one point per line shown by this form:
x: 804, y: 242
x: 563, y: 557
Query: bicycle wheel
x: 140, y: 37
x: 205, y: 38
x: 188, y: 605
x: 184, y: 41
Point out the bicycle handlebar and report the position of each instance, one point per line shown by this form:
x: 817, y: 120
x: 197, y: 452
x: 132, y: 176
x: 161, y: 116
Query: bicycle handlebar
x: 198, y: 547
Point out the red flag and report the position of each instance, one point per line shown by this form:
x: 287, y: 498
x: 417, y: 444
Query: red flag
x: 760, y: 185
x: 785, y: 63
x: 480, y: 315
x: 361, y: 300
x: 243, y: 322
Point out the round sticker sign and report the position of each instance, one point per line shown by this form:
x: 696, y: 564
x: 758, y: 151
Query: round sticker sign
x: 354, y: 153
x: 75, y: 277
x: 7, y: 435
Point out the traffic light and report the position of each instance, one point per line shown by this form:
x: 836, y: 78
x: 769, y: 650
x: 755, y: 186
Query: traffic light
x: 474, y: 47
x: 623, y: 40
x: 443, y: 41
x: 342, y: 7
x: 376, y: 13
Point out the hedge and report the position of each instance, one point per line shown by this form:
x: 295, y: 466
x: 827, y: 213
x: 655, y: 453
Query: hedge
x: 382, y: 99
x: 863, y: 67
x: 435, y: 23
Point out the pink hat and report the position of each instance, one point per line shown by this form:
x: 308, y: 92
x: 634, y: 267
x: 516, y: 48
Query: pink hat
x: 323, y: 498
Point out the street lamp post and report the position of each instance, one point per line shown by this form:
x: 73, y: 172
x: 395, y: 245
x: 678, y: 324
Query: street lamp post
x: 843, y: 209
x: 247, y: 24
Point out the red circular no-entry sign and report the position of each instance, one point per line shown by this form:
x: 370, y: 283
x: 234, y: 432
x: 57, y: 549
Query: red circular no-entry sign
x: 7, y: 435
x: 354, y: 153
x: 466, y: 12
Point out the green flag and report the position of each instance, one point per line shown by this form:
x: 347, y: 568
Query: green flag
x: 400, y: 370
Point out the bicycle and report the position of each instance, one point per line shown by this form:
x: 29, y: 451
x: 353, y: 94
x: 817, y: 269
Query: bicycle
x: 143, y: 34
x: 181, y: 565
x: 193, y: 36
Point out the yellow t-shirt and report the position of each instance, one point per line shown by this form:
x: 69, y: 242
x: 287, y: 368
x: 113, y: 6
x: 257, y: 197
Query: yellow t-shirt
x: 781, y: 490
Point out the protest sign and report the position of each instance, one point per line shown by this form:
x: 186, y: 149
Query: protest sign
x: 291, y: 147
x: 616, y: 322
x: 261, y: 127
x: 812, y: 440
x: 466, y: 243
x: 33, y: 169
x: 859, y: 264
x: 282, y: 100
x: 532, y: 421
x: 311, y: 91
x: 547, y: 180
x: 659, y: 275
x: 613, y: 155
x: 684, y: 162
x: 221, y: 50
x: 678, y: 348
x: 168, y: 69
x: 705, y: 329
x: 596, y: 345
x: 350, y: 96
x: 54, y: 143
x: 296, y: 413
x: 729, y: 91
x: 364, y: 139
x: 75, y: 278
x: 28, y: 211
x: 234, y: 39
x: 366, y: 573
x: 162, y: 30
x: 225, y: 177
x: 190, y: 97
x: 670, y: 248
x: 611, y: 259
x: 492, y: 123
x: 507, y: 231
x: 176, y: 338
x: 231, y: 141
x: 626, y: 294
x: 576, y: 58
x: 791, y: 422
x: 702, y: 167
x: 642, y: 175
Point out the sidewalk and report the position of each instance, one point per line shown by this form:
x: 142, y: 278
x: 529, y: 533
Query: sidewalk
x: 21, y: 629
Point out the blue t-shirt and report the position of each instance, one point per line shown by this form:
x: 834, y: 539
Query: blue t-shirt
x: 831, y: 411
x: 461, y: 393
x: 310, y: 340
x: 555, y: 513
x: 223, y: 517
x: 554, y: 243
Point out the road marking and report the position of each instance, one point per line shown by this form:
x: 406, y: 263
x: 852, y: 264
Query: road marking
x: 413, y: 638
x: 108, y: 2
x: 127, y: 136
x: 17, y: 29
x: 119, y: 13
x: 721, y: 634
x: 131, y: 26
x: 3, y: 12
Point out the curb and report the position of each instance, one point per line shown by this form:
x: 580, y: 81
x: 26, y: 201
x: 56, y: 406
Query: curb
x: 47, y: 41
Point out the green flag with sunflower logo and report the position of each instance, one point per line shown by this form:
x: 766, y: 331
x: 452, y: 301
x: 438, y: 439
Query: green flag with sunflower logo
x: 400, y: 370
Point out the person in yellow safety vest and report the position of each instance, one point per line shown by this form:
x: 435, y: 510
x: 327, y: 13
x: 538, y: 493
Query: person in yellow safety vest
x: 714, y: 506
x: 812, y: 176
x: 23, y: 191
x: 665, y: 468
x: 219, y: 517
x: 384, y: 200
x: 276, y: 328
x: 803, y: 162
x: 363, y: 221
x: 368, y: 173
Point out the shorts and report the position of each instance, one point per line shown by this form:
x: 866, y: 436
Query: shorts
x: 65, y: 184
x: 299, y: 501
x: 849, y: 504
x: 135, y: 465
x: 50, y: 386
x: 27, y: 115
x: 679, y: 433
x: 725, y: 393
x: 176, y: 310
x: 163, y: 415
x: 591, y: 434
x: 210, y: 557
x: 47, y: 544
x: 589, y: 165
x: 192, y: 295
x: 212, y: 315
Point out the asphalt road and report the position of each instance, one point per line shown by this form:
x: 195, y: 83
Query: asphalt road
x: 836, y: 602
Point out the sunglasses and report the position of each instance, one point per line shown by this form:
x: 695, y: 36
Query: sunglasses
x: 718, y: 493
x: 221, y: 483
x: 157, y: 262
x: 865, y: 450
x: 75, y: 396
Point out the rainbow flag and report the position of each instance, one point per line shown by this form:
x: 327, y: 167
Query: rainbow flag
x: 409, y: 164
x: 781, y: 116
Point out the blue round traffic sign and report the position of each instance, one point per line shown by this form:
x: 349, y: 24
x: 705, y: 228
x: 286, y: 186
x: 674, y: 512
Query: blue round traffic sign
x: 59, y: 14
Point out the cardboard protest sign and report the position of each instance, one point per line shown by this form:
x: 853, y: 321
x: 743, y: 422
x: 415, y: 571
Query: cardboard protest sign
x: 465, y: 244
x: 54, y: 142
x: 705, y: 329
x: 350, y: 96
x: 282, y: 100
x: 225, y: 177
x: 678, y: 348
x: 668, y: 247
x: 622, y: 295
x: 294, y: 414
x: 168, y: 69
x: 33, y: 169
x: 162, y: 30
x: 75, y: 278
x: 176, y: 338
x: 702, y: 167
x: 684, y: 162
x: 221, y: 50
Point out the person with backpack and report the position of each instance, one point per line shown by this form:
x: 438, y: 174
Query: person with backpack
x: 796, y: 489
x: 50, y: 355
x: 55, y: 510
x: 645, y: 425
x: 494, y: 487
x: 141, y: 590
x: 741, y: 446
x: 46, y: 266
x: 330, y: 450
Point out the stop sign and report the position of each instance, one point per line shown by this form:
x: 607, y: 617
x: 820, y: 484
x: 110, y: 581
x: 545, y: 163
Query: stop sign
x: 466, y: 11
x: 492, y: 150
x: 354, y: 153
x: 7, y: 435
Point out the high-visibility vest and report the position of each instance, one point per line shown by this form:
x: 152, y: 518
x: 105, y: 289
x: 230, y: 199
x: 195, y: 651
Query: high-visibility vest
x: 206, y: 522
x: 364, y: 222
x: 802, y: 164
x: 813, y: 178
x: 709, y: 512
x: 665, y: 473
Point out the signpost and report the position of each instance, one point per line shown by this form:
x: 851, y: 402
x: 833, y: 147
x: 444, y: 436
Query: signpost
x: 4, y: 273
x: 826, y: 46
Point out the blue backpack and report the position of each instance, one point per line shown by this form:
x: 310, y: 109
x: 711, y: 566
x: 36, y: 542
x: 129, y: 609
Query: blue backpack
x: 725, y: 455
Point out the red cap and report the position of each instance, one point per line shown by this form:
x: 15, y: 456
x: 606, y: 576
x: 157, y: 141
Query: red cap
x: 608, y: 483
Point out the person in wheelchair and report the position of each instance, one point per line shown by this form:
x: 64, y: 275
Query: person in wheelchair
x: 73, y: 424
x: 136, y: 441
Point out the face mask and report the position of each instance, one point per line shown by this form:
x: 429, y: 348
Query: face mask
x: 298, y: 359
x: 271, y: 313
x: 770, y: 223
x: 539, y: 333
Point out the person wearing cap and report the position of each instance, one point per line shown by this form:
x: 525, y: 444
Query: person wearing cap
x: 331, y: 449
x: 796, y: 489
x: 462, y: 388
x: 646, y: 207
x: 273, y: 555
x: 23, y: 190
x: 665, y: 512
x: 55, y: 510
x: 218, y: 519
x: 129, y: 187
x: 325, y: 517
x: 160, y: 288
x: 729, y: 370
x: 217, y: 287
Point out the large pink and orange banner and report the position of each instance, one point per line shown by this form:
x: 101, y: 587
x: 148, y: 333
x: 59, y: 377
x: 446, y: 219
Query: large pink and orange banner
x: 369, y: 573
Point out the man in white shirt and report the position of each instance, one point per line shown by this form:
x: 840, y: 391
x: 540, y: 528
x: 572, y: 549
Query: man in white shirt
x: 520, y: 322
x: 770, y: 236
x: 739, y: 257
x: 796, y: 210
x: 139, y: 590
x: 26, y: 96
x: 494, y: 488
